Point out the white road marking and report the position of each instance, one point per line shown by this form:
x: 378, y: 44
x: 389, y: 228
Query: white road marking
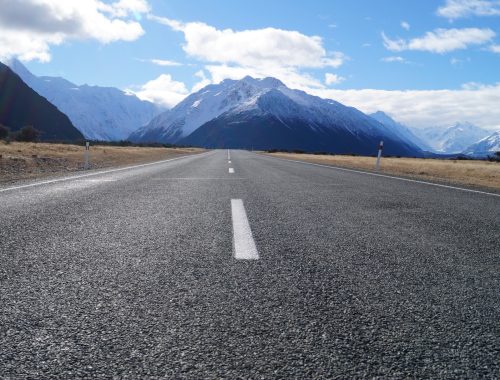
x: 388, y: 176
x: 229, y: 162
x: 231, y: 170
x: 196, y: 178
x: 228, y: 155
x: 97, y: 173
x: 95, y: 180
x: 243, y: 243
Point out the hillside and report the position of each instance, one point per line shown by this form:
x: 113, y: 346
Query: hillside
x: 21, y: 106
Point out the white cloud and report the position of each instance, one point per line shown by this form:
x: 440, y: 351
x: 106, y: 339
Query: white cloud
x: 282, y: 54
x: 471, y: 86
x: 333, y: 79
x: 422, y: 108
x: 28, y: 28
x: 494, y: 48
x: 124, y: 8
x: 405, y: 25
x: 454, y: 9
x: 393, y: 59
x: 253, y: 48
x: 163, y: 90
x: 441, y: 40
x: 164, y: 62
x: 204, y: 81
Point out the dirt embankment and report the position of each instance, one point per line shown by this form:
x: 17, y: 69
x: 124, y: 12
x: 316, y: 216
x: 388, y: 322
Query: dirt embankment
x: 20, y: 161
x: 477, y: 173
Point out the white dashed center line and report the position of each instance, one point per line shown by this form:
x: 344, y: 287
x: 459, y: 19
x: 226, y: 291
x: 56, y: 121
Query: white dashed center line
x: 231, y: 170
x: 229, y: 162
x: 243, y: 243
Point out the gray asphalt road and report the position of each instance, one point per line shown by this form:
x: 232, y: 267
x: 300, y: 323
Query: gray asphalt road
x: 132, y: 274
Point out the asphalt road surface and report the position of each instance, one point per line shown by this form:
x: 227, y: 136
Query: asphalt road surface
x: 274, y: 269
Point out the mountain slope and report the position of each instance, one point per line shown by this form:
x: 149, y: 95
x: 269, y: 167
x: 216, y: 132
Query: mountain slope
x: 100, y: 113
x: 485, y: 147
x: 199, y: 108
x: 454, y: 139
x: 265, y: 114
x: 21, y: 106
x: 401, y: 130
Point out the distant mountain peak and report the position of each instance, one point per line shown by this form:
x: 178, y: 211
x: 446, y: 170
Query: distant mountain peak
x: 265, y: 113
x: 486, y: 146
x: 453, y: 139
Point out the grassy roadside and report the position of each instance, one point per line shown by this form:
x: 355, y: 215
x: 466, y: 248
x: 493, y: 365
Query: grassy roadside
x: 21, y: 160
x: 473, y: 173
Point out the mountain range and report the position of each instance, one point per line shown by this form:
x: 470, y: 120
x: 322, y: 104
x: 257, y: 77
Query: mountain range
x: 454, y: 139
x: 100, y: 113
x: 247, y: 113
x: 21, y: 106
x: 485, y: 147
x: 461, y: 138
x: 265, y: 114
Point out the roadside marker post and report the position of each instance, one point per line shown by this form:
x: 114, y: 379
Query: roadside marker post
x: 87, y: 152
x: 380, y: 148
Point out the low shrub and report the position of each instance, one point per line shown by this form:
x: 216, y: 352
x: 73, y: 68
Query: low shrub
x: 28, y: 133
x: 4, y: 132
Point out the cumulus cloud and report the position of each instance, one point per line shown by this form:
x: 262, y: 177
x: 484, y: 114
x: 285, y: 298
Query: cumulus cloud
x: 283, y: 54
x: 332, y: 79
x: 441, y: 40
x: 405, y: 25
x: 257, y: 47
x: 162, y: 90
x: 454, y: 9
x: 422, y: 108
x: 29, y: 27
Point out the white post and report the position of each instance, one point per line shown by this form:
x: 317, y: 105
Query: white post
x: 87, y: 151
x: 380, y: 147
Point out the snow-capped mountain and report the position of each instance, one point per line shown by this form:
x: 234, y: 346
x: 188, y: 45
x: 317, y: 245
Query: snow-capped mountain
x: 100, y: 113
x: 401, y: 130
x: 454, y: 139
x: 199, y: 108
x: 22, y: 106
x: 265, y: 114
x: 485, y: 147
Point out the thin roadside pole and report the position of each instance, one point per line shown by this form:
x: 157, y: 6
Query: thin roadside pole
x: 379, y: 156
x: 87, y: 153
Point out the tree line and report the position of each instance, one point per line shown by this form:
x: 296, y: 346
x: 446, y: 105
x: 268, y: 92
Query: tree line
x: 26, y: 133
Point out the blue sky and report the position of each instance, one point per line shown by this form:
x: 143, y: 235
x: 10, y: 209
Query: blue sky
x: 403, y: 57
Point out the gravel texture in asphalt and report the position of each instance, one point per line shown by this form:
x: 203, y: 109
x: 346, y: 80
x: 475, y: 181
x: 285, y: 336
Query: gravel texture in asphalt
x: 131, y: 274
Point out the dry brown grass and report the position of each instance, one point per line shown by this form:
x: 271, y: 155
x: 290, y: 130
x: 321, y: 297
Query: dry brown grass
x: 460, y: 172
x: 33, y: 160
